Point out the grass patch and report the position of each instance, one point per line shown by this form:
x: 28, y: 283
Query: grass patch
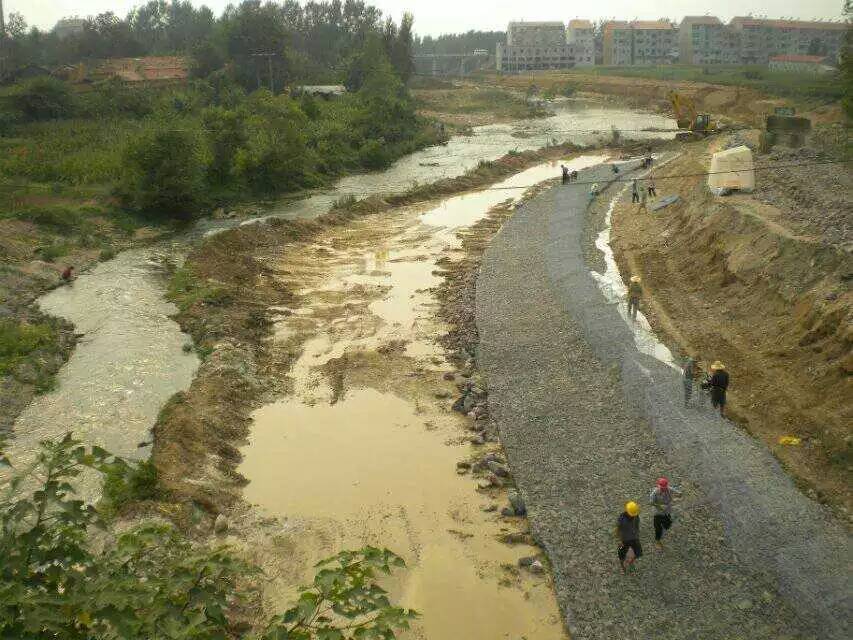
x: 19, y: 340
x: 185, y: 290
x: 123, y: 485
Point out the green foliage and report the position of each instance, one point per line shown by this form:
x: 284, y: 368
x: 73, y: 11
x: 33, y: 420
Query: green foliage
x: 150, y: 581
x: 276, y: 156
x: 50, y: 252
x: 123, y: 485
x: 18, y: 340
x: 44, y: 98
x: 344, y: 602
x: 226, y: 133
x: 60, y: 218
x: 115, y: 98
x: 164, y: 173
x: 185, y: 290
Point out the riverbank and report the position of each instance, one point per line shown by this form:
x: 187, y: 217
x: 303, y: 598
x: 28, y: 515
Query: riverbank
x: 223, y: 292
x: 589, y: 422
x: 759, y: 281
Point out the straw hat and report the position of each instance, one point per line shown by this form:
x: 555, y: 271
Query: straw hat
x: 717, y: 366
x: 635, y: 279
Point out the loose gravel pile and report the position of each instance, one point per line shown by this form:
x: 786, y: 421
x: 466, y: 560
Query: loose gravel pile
x: 588, y: 423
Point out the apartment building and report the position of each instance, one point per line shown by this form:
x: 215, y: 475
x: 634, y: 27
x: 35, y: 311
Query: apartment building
x: 581, y: 38
x: 762, y: 39
x: 640, y: 42
x: 706, y: 40
x: 533, y: 46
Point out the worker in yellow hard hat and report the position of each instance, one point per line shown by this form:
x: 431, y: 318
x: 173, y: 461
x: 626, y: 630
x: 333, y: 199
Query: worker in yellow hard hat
x: 628, y: 532
x: 717, y: 385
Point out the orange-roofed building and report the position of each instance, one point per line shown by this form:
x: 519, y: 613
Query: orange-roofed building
x: 150, y: 70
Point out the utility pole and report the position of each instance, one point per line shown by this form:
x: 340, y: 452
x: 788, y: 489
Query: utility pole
x: 269, y: 57
x: 2, y: 41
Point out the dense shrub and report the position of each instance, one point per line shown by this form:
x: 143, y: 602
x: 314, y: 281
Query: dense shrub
x: 276, y: 156
x: 164, y: 173
x: 44, y: 98
x: 19, y: 339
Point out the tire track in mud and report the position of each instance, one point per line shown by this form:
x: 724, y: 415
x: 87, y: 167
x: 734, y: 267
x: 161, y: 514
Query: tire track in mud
x: 588, y: 423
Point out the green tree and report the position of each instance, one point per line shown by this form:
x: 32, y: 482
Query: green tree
x: 163, y: 173
x: 276, y: 156
x: 44, y: 98
x: 402, y: 49
x: 151, y: 581
x: 226, y: 134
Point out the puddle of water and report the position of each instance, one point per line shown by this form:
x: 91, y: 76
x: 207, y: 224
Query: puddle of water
x: 375, y: 465
x: 615, y: 291
x: 369, y: 465
x: 466, y: 209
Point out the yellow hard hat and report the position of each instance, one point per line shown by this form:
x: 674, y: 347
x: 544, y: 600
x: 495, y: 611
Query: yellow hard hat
x: 717, y: 366
x: 636, y: 279
x: 632, y: 508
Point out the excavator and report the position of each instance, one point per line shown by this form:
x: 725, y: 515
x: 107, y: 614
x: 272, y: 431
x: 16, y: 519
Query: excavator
x: 696, y: 125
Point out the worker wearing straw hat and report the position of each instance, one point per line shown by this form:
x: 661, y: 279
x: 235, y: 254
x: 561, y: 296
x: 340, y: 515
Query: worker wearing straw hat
x: 635, y: 291
x: 717, y: 385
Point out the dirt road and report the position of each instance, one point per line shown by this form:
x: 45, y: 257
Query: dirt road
x: 588, y: 422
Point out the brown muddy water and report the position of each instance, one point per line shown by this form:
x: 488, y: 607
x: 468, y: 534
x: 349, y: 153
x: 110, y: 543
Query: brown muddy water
x: 364, y: 450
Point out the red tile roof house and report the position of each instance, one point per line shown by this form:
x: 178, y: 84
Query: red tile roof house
x: 149, y: 70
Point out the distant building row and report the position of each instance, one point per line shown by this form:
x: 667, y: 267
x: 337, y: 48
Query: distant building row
x: 546, y: 45
x: 701, y: 40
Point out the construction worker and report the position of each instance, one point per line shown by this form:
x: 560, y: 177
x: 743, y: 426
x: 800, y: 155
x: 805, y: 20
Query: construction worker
x: 565, y: 171
x: 688, y: 378
x: 628, y: 532
x: 652, y: 191
x: 643, y: 201
x: 635, y: 292
x: 593, y: 191
x: 661, y: 499
x: 717, y: 386
x: 67, y: 273
x: 635, y: 192
x: 614, y: 168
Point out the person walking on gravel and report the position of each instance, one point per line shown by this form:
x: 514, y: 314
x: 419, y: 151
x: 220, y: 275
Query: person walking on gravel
x: 635, y: 291
x: 628, y: 532
x: 635, y: 192
x: 718, y: 384
x: 652, y: 192
x: 661, y: 499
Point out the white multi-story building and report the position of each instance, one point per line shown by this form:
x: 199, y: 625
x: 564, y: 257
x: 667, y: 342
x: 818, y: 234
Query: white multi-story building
x: 640, y: 42
x: 69, y: 27
x: 706, y: 40
x: 762, y: 39
x: 533, y: 46
x: 581, y: 37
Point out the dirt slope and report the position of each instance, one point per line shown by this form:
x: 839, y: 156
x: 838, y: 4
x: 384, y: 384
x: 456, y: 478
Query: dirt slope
x: 763, y: 290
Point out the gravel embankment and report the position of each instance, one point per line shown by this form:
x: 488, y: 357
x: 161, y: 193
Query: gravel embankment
x: 588, y: 423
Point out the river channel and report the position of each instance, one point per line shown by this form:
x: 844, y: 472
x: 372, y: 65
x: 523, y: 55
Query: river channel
x: 363, y: 450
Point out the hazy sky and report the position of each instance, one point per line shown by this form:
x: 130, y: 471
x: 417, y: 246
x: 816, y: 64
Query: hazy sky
x: 450, y: 16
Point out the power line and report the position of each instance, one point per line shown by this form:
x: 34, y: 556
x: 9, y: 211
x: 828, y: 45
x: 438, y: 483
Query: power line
x: 686, y: 175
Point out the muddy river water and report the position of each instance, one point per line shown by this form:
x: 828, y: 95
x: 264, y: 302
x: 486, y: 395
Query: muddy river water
x: 364, y: 449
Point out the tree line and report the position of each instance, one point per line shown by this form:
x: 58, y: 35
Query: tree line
x: 312, y: 42
x: 233, y: 129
